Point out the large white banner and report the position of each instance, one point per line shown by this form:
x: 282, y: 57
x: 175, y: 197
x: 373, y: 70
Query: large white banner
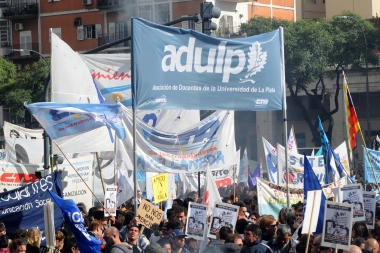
x: 15, y: 175
x: 296, y: 167
x: 210, y: 143
x: 15, y: 131
x: 341, y: 151
x: 272, y: 198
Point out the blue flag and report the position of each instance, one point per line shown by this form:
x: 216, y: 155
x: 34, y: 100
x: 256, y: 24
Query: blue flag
x: 61, y: 120
x: 24, y: 207
x: 311, y: 183
x: 324, y: 141
x: 86, y: 242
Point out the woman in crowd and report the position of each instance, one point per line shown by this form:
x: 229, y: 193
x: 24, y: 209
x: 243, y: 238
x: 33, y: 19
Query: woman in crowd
x: 34, y: 240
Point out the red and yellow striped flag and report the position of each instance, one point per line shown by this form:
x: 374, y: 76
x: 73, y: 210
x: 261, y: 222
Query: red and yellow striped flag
x: 352, y: 121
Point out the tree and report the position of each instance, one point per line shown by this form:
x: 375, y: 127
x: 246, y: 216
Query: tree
x: 25, y: 86
x: 315, y: 50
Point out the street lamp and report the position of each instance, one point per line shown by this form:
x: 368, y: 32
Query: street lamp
x: 46, y: 95
x: 366, y: 69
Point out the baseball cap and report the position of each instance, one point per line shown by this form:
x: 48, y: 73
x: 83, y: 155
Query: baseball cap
x: 177, y: 233
x: 154, y: 248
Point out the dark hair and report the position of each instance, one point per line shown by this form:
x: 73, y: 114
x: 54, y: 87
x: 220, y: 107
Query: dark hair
x: 179, y: 202
x: 128, y: 218
x: 91, y: 211
x: 224, y: 232
x: 134, y: 226
x: 231, y: 238
x: 254, y: 228
x: 241, y: 204
x: 187, y: 201
x: 71, y: 242
x: 226, y: 199
x: 16, y: 243
x: 240, y: 225
x: 301, y: 246
x: 163, y: 242
x: 19, y: 234
x: 359, y: 241
x: 361, y: 230
x: 179, y: 209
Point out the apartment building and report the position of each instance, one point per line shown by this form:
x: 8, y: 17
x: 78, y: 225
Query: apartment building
x: 317, y: 9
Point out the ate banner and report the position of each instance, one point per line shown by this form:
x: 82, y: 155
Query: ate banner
x: 185, y: 69
x: 210, y: 143
x: 24, y: 207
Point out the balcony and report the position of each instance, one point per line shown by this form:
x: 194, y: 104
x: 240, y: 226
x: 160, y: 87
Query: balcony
x: 111, y: 5
x: 21, y: 10
x: 229, y: 32
x: 26, y: 53
x: 108, y: 38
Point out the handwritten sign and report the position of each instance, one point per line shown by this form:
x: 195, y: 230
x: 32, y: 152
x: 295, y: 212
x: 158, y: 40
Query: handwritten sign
x: 160, y: 184
x: 149, y: 214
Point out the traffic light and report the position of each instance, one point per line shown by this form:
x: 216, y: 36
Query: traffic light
x: 209, y: 11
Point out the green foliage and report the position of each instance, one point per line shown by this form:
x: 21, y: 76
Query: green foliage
x: 25, y: 86
x: 316, y: 49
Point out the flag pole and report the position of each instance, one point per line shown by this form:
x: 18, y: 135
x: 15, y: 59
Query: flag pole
x: 93, y: 194
x: 284, y: 111
x: 114, y: 159
x: 100, y: 172
x: 134, y: 122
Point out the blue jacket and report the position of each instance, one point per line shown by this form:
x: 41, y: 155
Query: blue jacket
x: 256, y: 247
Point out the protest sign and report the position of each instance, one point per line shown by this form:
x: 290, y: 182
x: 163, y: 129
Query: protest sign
x: 160, y: 185
x: 369, y: 200
x: 110, y: 200
x: 149, y: 214
x: 24, y: 207
x: 223, y: 215
x: 371, y: 169
x: 196, y: 221
x: 337, y: 225
x: 352, y: 194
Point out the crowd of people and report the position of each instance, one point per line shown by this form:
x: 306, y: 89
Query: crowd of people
x: 253, y: 233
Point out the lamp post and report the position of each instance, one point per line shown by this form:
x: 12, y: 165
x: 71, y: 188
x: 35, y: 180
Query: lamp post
x: 366, y: 69
x: 46, y: 96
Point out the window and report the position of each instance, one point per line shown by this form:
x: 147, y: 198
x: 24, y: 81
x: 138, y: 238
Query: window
x: 146, y: 12
x: 119, y: 30
x: 89, y: 31
x: 162, y: 13
x: 4, y: 33
x: 25, y: 42
x: 301, y: 140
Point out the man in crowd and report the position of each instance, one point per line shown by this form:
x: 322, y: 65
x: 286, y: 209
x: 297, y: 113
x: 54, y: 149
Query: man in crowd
x: 113, y: 243
x: 178, y: 241
x: 371, y: 245
x: 252, y: 234
x: 137, y: 241
x: 167, y: 229
x: 180, y: 214
x: 283, y: 242
x: 221, y: 236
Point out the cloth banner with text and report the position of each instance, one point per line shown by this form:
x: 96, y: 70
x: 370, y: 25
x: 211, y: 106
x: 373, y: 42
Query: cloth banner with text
x: 208, y: 143
x: 375, y: 162
x: 272, y: 198
x: 242, y: 74
x: 24, y: 207
x: 15, y: 175
x: 296, y: 167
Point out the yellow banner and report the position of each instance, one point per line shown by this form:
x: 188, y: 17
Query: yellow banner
x: 160, y: 185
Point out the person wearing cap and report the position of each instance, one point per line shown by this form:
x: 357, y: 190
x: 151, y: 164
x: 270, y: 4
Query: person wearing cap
x: 137, y: 241
x: 178, y: 241
x: 155, y: 248
x: 167, y: 229
x: 113, y: 243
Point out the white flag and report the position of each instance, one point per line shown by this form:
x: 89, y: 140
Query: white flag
x: 243, y: 168
x: 211, y: 194
x: 292, y: 143
x: 271, y: 161
x: 124, y: 188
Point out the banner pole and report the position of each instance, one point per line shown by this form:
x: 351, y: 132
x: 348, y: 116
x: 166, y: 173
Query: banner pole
x: 134, y: 121
x: 114, y: 159
x: 308, y: 234
x: 100, y: 172
x: 93, y: 194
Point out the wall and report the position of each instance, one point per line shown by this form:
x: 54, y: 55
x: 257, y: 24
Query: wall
x: 362, y: 7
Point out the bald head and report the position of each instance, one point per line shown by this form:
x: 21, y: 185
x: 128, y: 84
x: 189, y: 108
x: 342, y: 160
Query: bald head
x: 353, y: 249
x: 112, y: 236
x: 316, y: 243
x: 372, y: 245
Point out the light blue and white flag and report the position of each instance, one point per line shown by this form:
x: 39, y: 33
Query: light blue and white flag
x: 271, y: 161
x: 61, y: 120
x: 176, y: 68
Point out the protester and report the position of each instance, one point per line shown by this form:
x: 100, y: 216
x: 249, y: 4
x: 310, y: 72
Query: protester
x: 252, y: 240
x: 34, y: 240
x: 166, y: 244
x: 137, y: 241
x: 316, y: 243
x: 372, y: 245
x: 234, y: 238
x: 71, y: 246
x: 192, y: 245
x: 180, y: 214
x: 353, y: 249
x: 283, y: 242
x: 154, y: 248
x: 18, y: 246
x: 167, y: 229
x: 360, y: 229
x: 221, y: 236
x: 268, y: 226
x: 113, y: 243
x: 59, y: 241
x: 178, y: 242
x: 3, y: 238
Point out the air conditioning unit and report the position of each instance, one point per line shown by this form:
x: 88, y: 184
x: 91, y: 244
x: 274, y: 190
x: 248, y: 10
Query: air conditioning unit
x: 77, y: 22
x: 87, y: 2
x: 19, y: 26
